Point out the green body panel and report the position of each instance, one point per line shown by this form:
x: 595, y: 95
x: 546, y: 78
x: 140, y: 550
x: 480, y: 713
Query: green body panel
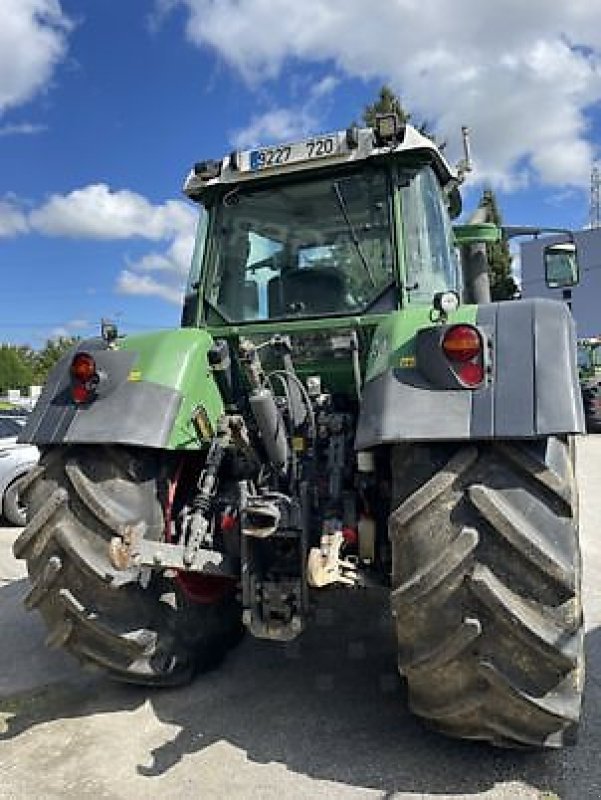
x: 393, y: 344
x: 336, y: 373
x: 476, y: 233
x: 296, y: 325
x: 178, y: 359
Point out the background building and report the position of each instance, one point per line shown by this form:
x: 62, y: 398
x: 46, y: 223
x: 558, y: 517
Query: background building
x: 586, y: 296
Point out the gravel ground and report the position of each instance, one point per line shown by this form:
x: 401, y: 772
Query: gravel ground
x: 325, y: 717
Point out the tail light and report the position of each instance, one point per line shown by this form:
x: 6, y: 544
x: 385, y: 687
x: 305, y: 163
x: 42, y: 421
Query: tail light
x: 83, y: 367
x: 84, y: 377
x: 462, y: 345
x: 471, y: 374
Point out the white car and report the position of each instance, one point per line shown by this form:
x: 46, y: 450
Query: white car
x: 15, y: 461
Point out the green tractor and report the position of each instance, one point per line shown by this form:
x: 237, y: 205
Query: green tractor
x: 589, y: 368
x: 340, y: 407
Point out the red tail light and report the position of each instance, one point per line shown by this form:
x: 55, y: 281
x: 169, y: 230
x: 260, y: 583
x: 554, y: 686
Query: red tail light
x: 462, y: 343
x: 471, y: 374
x: 80, y: 393
x: 83, y: 367
x: 84, y: 377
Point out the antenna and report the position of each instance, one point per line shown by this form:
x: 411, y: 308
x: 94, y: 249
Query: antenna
x: 595, y: 202
x: 465, y: 165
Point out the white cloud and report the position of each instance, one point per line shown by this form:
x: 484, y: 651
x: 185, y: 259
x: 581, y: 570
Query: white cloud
x: 171, y: 265
x: 12, y: 218
x: 21, y: 129
x: 78, y: 324
x: 278, y: 125
x: 324, y: 87
x: 74, y: 327
x: 286, y: 124
x: 175, y: 259
x: 131, y: 283
x: 562, y: 196
x: 98, y: 212
x: 33, y: 40
x: 59, y: 333
x: 521, y: 75
x: 169, y: 269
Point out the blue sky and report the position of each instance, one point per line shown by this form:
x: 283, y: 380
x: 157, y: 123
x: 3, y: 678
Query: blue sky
x: 104, y: 106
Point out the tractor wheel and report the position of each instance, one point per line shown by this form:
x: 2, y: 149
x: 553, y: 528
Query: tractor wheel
x: 138, y: 628
x: 591, y: 399
x: 486, y: 589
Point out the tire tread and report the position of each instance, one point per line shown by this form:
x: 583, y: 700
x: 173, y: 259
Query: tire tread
x: 485, y: 641
x: 103, y: 616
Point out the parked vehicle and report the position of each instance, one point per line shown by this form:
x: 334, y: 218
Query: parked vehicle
x: 589, y: 369
x: 15, y: 461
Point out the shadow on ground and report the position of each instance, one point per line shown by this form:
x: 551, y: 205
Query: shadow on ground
x: 329, y: 706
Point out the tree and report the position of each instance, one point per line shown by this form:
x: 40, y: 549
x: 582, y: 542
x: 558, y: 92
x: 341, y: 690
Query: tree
x: 387, y: 103
x: 21, y: 367
x: 390, y: 103
x: 46, y: 358
x: 15, y: 372
x: 502, y: 284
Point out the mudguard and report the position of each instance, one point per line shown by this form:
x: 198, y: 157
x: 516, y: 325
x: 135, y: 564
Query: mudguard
x: 150, y: 385
x: 532, y: 389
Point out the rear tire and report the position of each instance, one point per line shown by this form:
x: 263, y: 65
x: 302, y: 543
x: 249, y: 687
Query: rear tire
x: 486, y: 589
x: 78, y: 499
x: 591, y: 400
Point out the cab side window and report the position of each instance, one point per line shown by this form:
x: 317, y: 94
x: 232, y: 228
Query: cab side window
x: 430, y: 257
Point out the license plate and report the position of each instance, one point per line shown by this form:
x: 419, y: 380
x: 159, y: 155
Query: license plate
x: 310, y: 149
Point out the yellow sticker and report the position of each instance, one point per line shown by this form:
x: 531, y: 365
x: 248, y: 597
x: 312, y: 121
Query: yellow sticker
x: 134, y: 375
x: 408, y: 361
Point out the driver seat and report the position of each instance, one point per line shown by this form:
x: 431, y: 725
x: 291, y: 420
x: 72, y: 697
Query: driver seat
x: 312, y: 290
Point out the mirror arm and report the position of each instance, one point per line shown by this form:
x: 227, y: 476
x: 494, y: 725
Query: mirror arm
x: 509, y: 231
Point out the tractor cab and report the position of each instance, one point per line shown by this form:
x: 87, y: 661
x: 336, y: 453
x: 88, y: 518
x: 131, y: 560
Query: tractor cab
x: 352, y: 223
x: 589, y: 358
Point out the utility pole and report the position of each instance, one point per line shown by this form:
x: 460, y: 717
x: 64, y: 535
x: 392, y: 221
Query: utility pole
x: 595, y: 202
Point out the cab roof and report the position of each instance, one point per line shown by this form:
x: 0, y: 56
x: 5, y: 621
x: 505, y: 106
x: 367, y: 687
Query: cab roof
x: 317, y: 152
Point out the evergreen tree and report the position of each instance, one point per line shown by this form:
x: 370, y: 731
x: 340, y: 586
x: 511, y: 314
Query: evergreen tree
x: 387, y: 103
x: 390, y: 103
x: 502, y: 284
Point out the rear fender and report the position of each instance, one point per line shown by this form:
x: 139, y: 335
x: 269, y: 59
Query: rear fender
x: 532, y: 388
x: 150, y: 386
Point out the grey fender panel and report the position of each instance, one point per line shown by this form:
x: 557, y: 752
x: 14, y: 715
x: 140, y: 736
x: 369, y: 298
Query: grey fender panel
x: 124, y: 412
x: 393, y: 411
x: 136, y: 413
x: 555, y: 354
x: 534, y: 389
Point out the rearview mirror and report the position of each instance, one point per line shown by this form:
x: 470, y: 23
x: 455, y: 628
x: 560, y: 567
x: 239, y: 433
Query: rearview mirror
x: 561, y: 265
